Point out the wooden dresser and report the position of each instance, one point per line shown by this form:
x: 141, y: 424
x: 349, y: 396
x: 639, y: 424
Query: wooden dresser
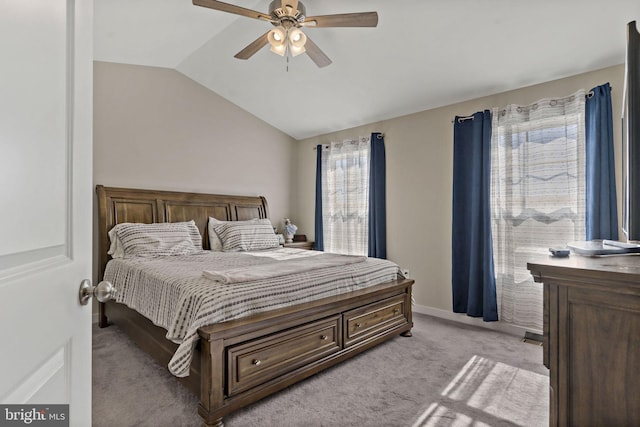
x: 592, y: 338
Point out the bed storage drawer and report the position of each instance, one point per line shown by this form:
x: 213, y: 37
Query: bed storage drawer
x: 374, y: 319
x: 262, y: 359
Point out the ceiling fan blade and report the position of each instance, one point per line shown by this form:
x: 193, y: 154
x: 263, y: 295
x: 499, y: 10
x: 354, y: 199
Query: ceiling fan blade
x: 230, y: 8
x: 316, y: 54
x: 291, y: 3
x: 363, y: 19
x: 253, y: 47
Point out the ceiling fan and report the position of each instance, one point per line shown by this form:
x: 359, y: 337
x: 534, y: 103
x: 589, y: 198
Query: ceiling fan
x: 288, y: 16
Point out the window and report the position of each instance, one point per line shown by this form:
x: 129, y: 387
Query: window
x: 537, y: 196
x: 345, y: 196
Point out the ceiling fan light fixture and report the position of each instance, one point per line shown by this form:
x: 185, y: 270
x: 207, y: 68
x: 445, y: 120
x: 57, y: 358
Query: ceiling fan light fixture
x: 278, y: 40
x: 277, y: 36
x: 295, y: 51
x: 297, y: 40
x: 279, y: 49
x: 297, y: 37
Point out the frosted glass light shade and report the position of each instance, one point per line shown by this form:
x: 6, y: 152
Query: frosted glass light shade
x: 278, y: 40
x: 297, y: 40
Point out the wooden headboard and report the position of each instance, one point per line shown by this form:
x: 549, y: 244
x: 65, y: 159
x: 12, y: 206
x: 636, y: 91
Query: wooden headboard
x: 117, y: 205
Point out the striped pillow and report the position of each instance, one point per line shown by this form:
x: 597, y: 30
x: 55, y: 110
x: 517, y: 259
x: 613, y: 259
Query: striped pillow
x: 116, y: 249
x: 250, y: 235
x: 194, y: 233
x: 158, y: 239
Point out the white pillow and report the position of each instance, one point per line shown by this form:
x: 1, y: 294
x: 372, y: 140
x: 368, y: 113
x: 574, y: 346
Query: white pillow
x: 115, y: 250
x: 249, y: 235
x: 214, y: 241
x: 151, y: 240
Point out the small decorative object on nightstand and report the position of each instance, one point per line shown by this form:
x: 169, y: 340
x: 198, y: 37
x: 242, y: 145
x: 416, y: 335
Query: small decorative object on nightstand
x: 289, y: 230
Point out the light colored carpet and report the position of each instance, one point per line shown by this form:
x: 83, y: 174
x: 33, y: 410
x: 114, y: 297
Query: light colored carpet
x: 447, y: 374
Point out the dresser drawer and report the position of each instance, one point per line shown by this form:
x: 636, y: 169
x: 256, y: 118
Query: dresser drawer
x: 255, y: 362
x: 373, y: 319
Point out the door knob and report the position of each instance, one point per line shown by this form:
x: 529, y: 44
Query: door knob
x: 103, y: 292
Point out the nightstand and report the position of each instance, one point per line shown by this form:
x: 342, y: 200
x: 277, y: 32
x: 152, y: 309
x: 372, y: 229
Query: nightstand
x: 299, y: 245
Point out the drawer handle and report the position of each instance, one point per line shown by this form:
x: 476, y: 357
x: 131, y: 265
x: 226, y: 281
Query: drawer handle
x: 396, y: 310
x: 358, y: 325
x: 323, y: 337
x: 256, y: 362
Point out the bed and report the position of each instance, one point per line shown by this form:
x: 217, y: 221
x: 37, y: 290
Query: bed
x: 237, y: 362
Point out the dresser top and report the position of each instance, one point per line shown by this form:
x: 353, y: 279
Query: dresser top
x: 610, y: 268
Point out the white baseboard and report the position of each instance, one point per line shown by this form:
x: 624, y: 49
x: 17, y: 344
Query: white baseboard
x: 463, y: 318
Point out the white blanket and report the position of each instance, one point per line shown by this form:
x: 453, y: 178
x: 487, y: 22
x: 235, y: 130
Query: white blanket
x: 280, y: 268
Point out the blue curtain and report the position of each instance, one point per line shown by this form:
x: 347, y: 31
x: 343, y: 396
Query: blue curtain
x: 601, y: 204
x: 473, y: 278
x: 377, y: 198
x: 319, y: 231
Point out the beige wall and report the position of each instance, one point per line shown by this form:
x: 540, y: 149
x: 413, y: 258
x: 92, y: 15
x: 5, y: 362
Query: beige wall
x: 155, y: 128
x: 419, y: 149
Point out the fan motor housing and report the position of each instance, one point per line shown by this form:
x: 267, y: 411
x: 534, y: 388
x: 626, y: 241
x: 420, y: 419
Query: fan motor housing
x: 279, y: 13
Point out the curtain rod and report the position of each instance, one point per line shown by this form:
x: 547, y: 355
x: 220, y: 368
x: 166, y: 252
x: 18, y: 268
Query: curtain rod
x: 315, y: 147
x: 462, y: 119
x: 589, y: 94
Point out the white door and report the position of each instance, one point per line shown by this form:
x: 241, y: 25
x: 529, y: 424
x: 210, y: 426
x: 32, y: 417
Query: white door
x: 46, y: 77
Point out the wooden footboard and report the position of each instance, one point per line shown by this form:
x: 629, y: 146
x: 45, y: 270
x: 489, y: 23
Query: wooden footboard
x: 241, y: 361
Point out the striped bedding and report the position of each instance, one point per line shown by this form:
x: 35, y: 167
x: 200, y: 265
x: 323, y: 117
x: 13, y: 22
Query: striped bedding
x: 173, y: 293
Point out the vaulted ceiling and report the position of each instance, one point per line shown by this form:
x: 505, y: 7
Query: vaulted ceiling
x: 423, y: 54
